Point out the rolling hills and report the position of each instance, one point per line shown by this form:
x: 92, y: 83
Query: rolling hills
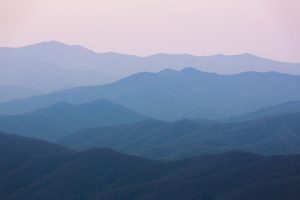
x: 46, y: 76
x: 173, y: 95
x: 284, y: 108
x: 12, y: 92
x: 186, y: 138
x: 62, y: 118
x: 78, y: 57
x: 53, y: 66
x: 41, y: 170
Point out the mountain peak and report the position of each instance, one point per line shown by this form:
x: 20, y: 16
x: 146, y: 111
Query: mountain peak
x: 190, y: 69
x: 52, y: 43
x: 167, y: 71
x: 245, y: 54
x: 55, y: 42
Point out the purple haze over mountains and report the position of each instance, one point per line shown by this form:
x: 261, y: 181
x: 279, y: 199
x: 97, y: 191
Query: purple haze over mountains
x: 53, y: 65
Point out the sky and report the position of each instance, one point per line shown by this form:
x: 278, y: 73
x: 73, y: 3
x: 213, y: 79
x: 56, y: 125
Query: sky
x: 268, y: 28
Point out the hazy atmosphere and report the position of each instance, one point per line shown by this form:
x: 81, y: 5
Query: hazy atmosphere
x: 149, y: 100
x: 268, y: 28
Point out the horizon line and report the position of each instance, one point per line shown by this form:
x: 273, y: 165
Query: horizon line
x: 143, y: 56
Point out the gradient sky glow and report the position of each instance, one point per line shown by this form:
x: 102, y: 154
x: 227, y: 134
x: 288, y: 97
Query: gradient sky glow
x: 268, y: 28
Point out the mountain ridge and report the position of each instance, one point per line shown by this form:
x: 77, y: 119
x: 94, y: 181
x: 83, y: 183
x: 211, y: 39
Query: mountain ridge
x: 92, y: 60
x: 59, y: 119
x: 194, y: 94
x: 272, y: 110
x: 76, y: 65
x: 57, y: 173
x: 186, y: 138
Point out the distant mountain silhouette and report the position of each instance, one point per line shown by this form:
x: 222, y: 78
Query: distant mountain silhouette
x: 185, y: 138
x: 46, y: 76
x: 31, y: 169
x: 60, y: 119
x: 53, y: 65
x: 12, y: 92
x: 78, y: 57
x: 284, y: 108
x: 173, y: 95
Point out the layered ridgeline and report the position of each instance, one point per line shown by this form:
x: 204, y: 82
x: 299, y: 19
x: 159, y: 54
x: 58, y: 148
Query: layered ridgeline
x: 12, y: 92
x: 185, y: 138
x: 52, y: 65
x: 40, y: 170
x: 285, y: 108
x: 61, y: 119
x: 47, y: 66
x: 175, y: 95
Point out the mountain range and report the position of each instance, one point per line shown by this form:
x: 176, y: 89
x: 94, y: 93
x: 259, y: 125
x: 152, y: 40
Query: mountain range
x: 45, y: 76
x: 173, y: 95
x: 185, y: 138
x: 31, y: 169
x: 284, y: 108
x: 78, y: 57
x: 12, y: 92
x: 54, y: 65
x: 62, y: 118
x: 81, y: 125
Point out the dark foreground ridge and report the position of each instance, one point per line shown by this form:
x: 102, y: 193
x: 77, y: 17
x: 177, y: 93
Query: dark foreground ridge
x: 31, y: 169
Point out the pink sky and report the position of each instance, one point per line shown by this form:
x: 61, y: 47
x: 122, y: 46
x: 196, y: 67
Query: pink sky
x: 268, y: 28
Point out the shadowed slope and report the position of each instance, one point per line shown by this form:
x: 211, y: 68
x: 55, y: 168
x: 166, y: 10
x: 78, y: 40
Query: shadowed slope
x: 175, y: 95
x: 63, y: 118
x: 106, y: 174
x: 155, y: 139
